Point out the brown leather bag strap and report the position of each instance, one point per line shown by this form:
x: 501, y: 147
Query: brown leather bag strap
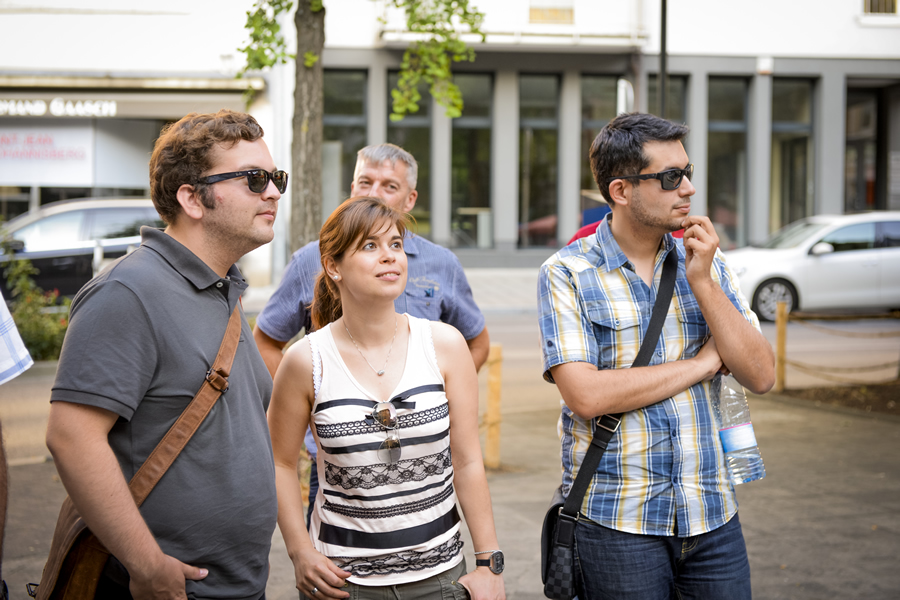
x: 187, y: 424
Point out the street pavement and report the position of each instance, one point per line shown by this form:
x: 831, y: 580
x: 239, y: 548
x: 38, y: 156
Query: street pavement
x: 824, y: 523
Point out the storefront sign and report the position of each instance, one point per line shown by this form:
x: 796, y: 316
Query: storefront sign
x: 32, y: 155
x: 58, y: 107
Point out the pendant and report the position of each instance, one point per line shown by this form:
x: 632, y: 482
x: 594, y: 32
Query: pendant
x: 380, y: 373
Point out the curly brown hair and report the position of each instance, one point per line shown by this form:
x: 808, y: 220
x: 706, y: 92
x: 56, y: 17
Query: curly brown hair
x: 184, y: 150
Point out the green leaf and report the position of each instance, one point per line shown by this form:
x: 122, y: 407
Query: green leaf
x: 430, y: 60
x: 310, y: 59
x: 267, y: 47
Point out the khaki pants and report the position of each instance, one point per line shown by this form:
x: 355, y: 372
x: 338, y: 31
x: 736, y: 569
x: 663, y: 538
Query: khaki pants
x: 443, y: 586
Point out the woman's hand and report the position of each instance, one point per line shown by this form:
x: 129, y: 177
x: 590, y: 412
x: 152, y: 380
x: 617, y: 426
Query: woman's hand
x: 315, y: 571
x: 482, y: 584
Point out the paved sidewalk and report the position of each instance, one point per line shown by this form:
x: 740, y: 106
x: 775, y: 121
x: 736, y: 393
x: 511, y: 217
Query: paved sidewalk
x: 824, y: 523
x: 494, y: 290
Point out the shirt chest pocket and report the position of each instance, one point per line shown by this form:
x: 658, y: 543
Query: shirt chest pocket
x: 424, y: 302
x: 617, y: 329
x: 693, y: 331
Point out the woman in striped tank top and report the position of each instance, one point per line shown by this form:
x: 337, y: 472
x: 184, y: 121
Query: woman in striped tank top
x: 393, y: 402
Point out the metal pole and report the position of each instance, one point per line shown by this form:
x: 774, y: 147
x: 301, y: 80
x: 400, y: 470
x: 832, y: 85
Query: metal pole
x: 781, y: 319
x: 492, y: 414
x: 663, y: 73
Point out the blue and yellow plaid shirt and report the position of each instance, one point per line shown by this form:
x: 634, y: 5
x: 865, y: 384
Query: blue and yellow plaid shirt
x: 664, y: 471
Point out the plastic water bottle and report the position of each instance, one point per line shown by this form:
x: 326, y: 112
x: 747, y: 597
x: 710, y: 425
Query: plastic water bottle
x: 732, y: 413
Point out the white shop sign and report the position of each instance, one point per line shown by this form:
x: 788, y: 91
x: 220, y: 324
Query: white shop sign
x: 47, y: 156
x: 57, y: 107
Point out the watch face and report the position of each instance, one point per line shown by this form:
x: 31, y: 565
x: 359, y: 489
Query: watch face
x: 497, y: 562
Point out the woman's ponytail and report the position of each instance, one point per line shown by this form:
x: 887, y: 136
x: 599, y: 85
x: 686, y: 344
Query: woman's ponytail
x: 326, y: 304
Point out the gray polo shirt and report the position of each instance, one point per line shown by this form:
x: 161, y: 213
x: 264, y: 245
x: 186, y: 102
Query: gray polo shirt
x: 141, y: 337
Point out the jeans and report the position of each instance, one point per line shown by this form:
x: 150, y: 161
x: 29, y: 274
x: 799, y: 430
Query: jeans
x: 611, y: 564
x: 313, y: 491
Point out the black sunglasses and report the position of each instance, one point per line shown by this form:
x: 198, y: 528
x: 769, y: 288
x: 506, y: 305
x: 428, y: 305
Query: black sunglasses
x: 385, y: 414
x: 670, y: 180
x: 257, y: 179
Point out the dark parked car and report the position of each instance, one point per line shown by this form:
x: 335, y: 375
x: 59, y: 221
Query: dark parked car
x: 70, y: 241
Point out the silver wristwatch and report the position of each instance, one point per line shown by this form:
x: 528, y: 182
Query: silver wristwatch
x: 494, y: 563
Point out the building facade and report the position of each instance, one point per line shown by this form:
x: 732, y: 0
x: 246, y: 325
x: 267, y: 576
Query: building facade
x: 794, y: 108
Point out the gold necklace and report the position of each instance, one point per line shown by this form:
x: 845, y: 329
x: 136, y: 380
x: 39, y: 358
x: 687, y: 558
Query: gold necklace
x: 377, y: 372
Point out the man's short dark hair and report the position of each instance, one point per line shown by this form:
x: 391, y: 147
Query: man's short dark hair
x: 184, y: 151
x: 619, y: 147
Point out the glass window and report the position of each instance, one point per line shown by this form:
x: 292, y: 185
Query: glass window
x: 470, y: 186
x: 861, y: 151
x: 676, y: 107
x: 880, y: 7
x: 727, y: 99
x: 726, y: 170
x: 119, y: 193
x: 790, y: 101
x: 52, y: 233
x: 413, y: 134
x: 792, y: 151
x: 598, y: 107
x: 889, y: 234
x: 13, y: 201
x: 112, y: 223
x: 552, y: 12
x: 344, y: 92
x: 538, y: 157
x: 853, y: 237
x: 794, y: 234
x: 55, y: 194
x: 343, y: 133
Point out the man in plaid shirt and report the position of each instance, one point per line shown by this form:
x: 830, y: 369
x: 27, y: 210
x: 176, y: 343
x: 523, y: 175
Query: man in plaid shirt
x: 660, y: 516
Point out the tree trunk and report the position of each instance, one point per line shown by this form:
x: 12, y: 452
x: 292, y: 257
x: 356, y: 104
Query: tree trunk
x: 306, y: 171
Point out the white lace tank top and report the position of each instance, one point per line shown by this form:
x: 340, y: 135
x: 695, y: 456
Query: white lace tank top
x: 387, y: 524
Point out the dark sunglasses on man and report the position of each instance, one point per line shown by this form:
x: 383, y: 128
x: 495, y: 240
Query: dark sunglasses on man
x: 670, y: 180
x: 257, y: 179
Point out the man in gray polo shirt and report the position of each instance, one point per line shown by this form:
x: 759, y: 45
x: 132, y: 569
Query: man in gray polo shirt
x: 141, y: 338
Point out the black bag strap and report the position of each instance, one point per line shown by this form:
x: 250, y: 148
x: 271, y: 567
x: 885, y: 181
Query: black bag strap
x: 607, y: 425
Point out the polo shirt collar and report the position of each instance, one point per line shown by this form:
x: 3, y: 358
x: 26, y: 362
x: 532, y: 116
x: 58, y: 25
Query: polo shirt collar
x: 186, y: 262
x: 610, y: 252
x: 409, y: 243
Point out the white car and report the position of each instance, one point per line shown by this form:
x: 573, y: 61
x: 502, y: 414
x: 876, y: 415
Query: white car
x: 824, y: 262
x: 70, y: 240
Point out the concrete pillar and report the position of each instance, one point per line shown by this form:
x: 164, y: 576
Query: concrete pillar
x: 697, y: 140
x: 505, y: 161
x: 642, y: 84
x: 568, y: 186
x: 441, y: 140
x: 281, y: 81
x: 830, y: 140
x: 34, y: 198
x: 892, y: 128
x: 759, y: 159
x: 377, y: 109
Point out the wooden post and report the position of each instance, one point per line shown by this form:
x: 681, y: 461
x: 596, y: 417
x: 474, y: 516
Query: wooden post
x: 781, y: 318
x: 492, y: 413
